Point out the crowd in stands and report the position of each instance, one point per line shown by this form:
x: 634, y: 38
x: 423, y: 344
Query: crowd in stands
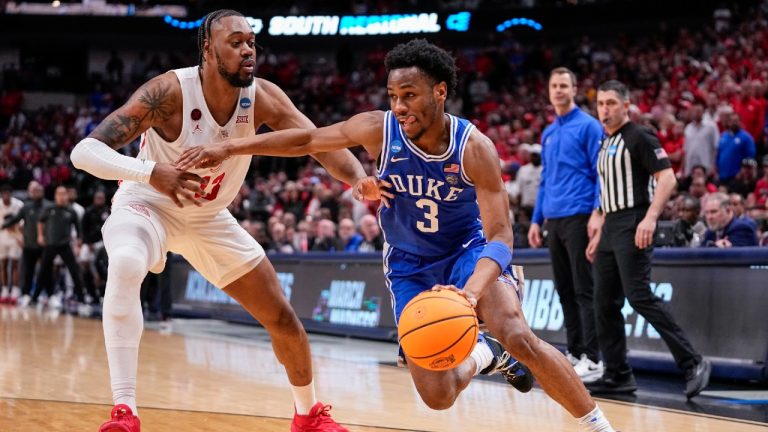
x: 702, y: 91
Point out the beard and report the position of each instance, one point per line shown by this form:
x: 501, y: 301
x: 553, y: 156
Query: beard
x: 234, y: 79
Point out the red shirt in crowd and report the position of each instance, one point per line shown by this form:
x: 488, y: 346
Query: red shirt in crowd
x: 761, y: 192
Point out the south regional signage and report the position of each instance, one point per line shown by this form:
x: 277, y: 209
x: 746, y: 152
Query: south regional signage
x: 348, y: 25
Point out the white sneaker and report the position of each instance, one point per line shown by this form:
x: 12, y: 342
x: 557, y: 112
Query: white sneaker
x: 588, y: 370
x: 573, y: 360
x: 24, y: 301
x: 55, y: 302
x: 84, y: 310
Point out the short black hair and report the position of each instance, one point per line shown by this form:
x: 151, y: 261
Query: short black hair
x: 616, y: 86
x: 204, y: 31
x: 5, y: 188
x: 432, y: 60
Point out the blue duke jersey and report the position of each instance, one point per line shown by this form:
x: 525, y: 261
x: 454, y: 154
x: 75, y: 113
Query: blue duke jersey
x: 435, y: 211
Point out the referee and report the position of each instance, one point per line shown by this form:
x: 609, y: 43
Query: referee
x: 629, y: 157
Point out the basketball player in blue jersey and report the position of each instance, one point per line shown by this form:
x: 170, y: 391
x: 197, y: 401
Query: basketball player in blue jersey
x: 218, y: 99
x: 445, y: 220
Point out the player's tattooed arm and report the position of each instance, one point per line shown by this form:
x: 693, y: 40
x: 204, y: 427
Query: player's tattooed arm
x: 152, y: 105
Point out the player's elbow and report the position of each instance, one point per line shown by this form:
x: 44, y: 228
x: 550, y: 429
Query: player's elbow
x: 77, y: 156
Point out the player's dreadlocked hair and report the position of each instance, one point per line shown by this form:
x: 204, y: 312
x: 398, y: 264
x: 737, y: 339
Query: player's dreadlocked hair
x: 433, y: 61
x: 204, y: 31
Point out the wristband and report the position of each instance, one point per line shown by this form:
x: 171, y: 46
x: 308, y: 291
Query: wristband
x: 498, y: 252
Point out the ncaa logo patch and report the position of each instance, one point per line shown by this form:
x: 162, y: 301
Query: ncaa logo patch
x: 245, y: 102
x: 396, y: 146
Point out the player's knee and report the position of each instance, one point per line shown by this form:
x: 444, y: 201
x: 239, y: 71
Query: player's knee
x: 284, y: 320
x: 126, y: 271
x: 518, y: 339
x: 127, y: 266
x: 437, y: 400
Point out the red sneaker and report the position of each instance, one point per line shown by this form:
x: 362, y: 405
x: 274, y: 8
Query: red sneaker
x: 318, y: 420
x: 122, y: 420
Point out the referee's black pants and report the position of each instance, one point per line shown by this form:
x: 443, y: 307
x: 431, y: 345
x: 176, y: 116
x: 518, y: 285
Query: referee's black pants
x: 624, y: 271
x: 572, y: 272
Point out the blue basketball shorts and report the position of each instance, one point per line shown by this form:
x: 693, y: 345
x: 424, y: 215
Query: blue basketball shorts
x: 407, y: 274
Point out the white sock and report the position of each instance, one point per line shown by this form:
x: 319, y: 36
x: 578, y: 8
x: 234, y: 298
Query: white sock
x: 595, y: 421
x: 123, y: 363
x: 4, y: 292
x: 304, y: 398
x: 482, y: 355
x: 15, y: 292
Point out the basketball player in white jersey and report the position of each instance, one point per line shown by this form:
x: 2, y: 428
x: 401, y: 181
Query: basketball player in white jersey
x: 10, y: 248
x: 217, y: 100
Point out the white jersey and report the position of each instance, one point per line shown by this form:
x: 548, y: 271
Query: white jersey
x: 199, y: 128
x: 11, y: 209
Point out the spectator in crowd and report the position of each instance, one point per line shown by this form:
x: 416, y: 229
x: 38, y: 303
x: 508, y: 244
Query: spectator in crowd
x: 567, y: 198
x: 700, y: 143
x: 758, y: 201
x: 349, y: 237
x: 280, y: 242
x: 32, y: 250
x: 750, y: 107
x: 737, y: 206
x: 512, y: 185
x: 326, y: 239
x: 689, y: 229
x: 745, y: 181
x: 371, y: 232
x: 54, y: 234
x: 735, y: 145
x: 672, y: 139
x: 10, y: 247
x: 725, y: 230
x: 529, y: 177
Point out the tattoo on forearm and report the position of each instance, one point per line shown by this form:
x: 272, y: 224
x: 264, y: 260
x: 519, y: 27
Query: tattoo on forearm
x: 118, y: 129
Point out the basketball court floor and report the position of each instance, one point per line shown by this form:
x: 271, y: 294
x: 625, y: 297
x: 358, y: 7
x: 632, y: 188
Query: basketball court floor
x: 201, y: 375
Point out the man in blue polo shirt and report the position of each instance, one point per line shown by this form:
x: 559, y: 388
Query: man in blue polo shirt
x: 569, y: 193
x: 736, y: 144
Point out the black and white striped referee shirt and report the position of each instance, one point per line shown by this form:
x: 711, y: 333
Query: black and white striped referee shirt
x: 626, y: 162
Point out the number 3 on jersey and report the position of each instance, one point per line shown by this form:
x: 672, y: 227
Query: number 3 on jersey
x: 210, y: 196
x: 430, y: 213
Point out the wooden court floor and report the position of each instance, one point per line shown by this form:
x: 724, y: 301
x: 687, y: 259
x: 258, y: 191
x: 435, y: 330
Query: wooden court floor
x: 54, y: 377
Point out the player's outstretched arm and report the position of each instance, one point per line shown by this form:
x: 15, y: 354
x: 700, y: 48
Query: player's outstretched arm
x: 153, y: 105
x: 362, y: 129
x: 481, y: 164
x: 282, y: 114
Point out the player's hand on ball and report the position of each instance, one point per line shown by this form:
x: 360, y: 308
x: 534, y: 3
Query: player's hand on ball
x: 373, y: 189
x: 202, y: 157
x: 469, y: 296
x: 173, y: 182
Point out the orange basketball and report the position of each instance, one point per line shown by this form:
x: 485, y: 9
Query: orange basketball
x: 438, y: 329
